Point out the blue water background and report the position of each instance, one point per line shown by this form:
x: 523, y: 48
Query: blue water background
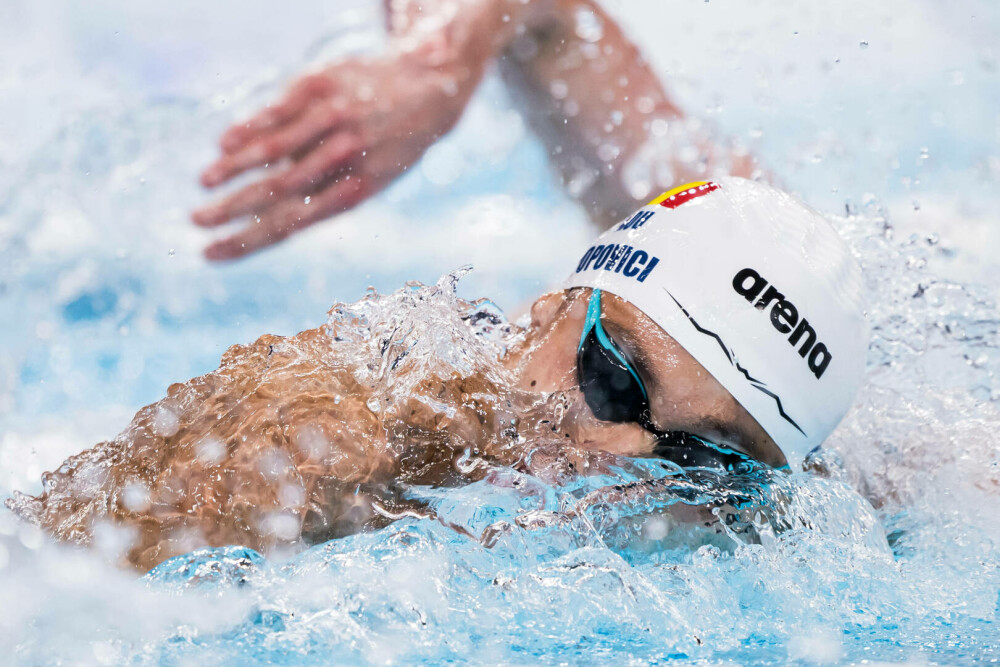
x: 107, y: 112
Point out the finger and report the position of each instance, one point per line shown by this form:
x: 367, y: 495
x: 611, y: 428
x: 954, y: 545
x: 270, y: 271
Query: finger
x: 319, y: 165
x: 281, y: 221
x: 272, y: 147
x: 253, y: 197
x: 275, y: 115
x: 280, y: 113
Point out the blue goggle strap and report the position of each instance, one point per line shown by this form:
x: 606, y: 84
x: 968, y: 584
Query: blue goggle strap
x: 593, y: 321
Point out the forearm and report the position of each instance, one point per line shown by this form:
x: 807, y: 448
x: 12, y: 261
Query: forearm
x: 459, y: 38
x: 611, y: 129
x: 273, y: 448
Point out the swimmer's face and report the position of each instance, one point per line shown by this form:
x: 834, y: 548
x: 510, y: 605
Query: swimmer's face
x: 683, y: 396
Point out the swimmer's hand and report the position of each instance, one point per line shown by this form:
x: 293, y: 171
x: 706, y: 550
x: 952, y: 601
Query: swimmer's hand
x: 341, y: 135
x: 336, y: 138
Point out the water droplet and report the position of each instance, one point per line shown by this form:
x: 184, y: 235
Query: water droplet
x: 589, y: 27
x: 307, y: 200
x: 31, y: 537
x: 864, y: 44
x: 210, y: 450
x: 135, y: 497
x: 282, y: 525
x: 656, y: 527
x: 166, y: 422
x: 291, y: 495
x: 608, y: 152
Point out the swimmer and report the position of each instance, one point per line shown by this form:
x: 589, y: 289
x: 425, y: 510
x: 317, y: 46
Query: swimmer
x: 719, y: 324
x: 343, y: 133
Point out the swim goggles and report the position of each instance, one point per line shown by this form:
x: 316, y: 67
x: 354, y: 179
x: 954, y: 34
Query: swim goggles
x: 615, y: 393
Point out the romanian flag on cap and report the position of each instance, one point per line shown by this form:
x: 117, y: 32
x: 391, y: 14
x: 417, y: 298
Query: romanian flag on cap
x: 685, y: 193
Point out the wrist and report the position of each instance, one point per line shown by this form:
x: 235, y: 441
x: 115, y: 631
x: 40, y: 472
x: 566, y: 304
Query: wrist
x: 455, y: 37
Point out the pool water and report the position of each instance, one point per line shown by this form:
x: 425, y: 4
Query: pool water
x: 884, y: 118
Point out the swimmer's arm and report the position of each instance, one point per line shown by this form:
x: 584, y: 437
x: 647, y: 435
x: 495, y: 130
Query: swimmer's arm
x: 271, y: 450
x: 610, y: 127
x: 342, y: 134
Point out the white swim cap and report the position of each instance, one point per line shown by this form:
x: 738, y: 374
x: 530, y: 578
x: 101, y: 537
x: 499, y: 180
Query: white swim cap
x: 758, y: 288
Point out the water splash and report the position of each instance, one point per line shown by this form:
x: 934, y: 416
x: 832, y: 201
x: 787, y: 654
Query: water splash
x: 512, y: 568
x: 300, y: 435
x: 637, y: 558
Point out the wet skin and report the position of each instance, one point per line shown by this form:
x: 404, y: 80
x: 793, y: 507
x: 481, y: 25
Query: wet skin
x: 279, y: 448
x: 341, y: 134
x: 683, y: 395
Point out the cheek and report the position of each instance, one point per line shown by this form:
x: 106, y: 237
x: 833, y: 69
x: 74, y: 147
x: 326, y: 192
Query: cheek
x: 549, y: 363
x: 692, y: 382
x: 688, y: 397
x: 547, y: 368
